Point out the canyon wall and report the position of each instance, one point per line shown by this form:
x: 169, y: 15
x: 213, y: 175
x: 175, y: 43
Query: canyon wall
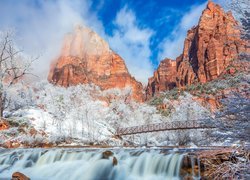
x: 164, y: 78
x: 209, y: 48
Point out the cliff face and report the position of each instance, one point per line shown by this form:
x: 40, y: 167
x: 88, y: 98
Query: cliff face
x: 164, y: 78
x: 87, y: 58
x: 209, y: 49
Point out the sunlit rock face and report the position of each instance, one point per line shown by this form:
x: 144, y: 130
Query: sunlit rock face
x: 87, y: 58
x: 164, y: 78
x: 209, y: 47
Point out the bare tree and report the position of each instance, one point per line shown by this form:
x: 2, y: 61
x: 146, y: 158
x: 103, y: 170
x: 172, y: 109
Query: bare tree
x: 183, y: 138
x: 235, y: 117
x: 13, y: 66
x: 232, y: 122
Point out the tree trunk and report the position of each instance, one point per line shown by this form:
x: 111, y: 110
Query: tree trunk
x: 1, y: 105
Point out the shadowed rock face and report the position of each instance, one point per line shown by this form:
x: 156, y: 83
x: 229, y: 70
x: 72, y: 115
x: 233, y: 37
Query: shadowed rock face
x: 87, y: 58
x: 209, y: 49
x: 164, y: 78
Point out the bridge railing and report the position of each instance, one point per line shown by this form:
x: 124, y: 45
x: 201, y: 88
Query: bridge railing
x: 172, y: 125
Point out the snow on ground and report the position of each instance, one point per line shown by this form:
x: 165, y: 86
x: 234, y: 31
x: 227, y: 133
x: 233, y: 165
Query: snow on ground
x: 77, y: 114
x: 42, y: 120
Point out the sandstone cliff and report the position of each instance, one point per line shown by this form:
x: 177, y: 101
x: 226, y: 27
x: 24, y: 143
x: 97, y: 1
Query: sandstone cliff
x: 209, y: 48
x: 87, y: 58
x: 164, y: 78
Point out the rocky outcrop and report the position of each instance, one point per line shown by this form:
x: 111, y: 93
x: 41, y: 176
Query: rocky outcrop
x: 19, y: 176
x: 4, y: 124
x: 87, y: 58
x: 164, y: 78
x: 209, y: 47
x: 115, y: 161
x: 107, y: 154
x: 214, y: 162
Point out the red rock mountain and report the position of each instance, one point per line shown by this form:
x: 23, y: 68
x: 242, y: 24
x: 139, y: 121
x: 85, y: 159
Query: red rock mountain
x: 209, y: 48
x: 164, y: 78
x: 87, y: 58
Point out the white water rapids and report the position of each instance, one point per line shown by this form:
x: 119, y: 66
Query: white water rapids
x: 72, y: 164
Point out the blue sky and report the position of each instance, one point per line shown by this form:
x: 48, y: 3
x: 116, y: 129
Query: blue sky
x: 142, y: 32
x: 162, y: 16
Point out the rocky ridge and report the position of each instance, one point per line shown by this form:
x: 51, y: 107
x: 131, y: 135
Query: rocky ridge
x: 209, y: 49
x: 87, y: 58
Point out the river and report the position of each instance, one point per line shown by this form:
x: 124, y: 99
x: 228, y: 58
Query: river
x: 93, y: 164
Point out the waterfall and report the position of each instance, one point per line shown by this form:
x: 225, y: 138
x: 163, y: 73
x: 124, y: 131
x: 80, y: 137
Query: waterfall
x: 195, y: 162
x: 70, y: 164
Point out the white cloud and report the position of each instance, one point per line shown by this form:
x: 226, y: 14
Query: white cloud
x: 172, y: 46
x: 41, y: 30
x: 132, y: 42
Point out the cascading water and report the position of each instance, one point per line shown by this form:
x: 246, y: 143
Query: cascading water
x: 194, y: 160
x: 70, y: 164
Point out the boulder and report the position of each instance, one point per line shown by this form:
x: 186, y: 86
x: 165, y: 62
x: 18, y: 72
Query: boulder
x: 19, y: 176
x: 107, y: 154
x: 115, y: 161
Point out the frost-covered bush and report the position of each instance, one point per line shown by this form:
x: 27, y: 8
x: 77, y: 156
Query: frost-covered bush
x: 232, y: 122
x: 18, y: 96
x: 87, y: 113
x: 186, y: 108
x: 10, y: 132
x: 215, y: 86
x: 74, y: 111
x: 32, y: 140
x: 93, y: 116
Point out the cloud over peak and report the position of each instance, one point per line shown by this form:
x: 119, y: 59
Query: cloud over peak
x: 132, y: 42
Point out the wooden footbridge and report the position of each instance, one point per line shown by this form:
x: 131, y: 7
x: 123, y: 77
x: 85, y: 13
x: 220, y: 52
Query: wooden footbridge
x: 166, y: 126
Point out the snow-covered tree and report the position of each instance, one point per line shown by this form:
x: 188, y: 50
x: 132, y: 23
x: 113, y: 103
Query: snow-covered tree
x: 75, y: 112
x: 232, y: 121
x: 13, y: 66
x: 185, y: 108
x: 19, y: 96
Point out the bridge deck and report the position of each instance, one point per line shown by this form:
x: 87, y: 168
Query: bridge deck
x: 166, y: 126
